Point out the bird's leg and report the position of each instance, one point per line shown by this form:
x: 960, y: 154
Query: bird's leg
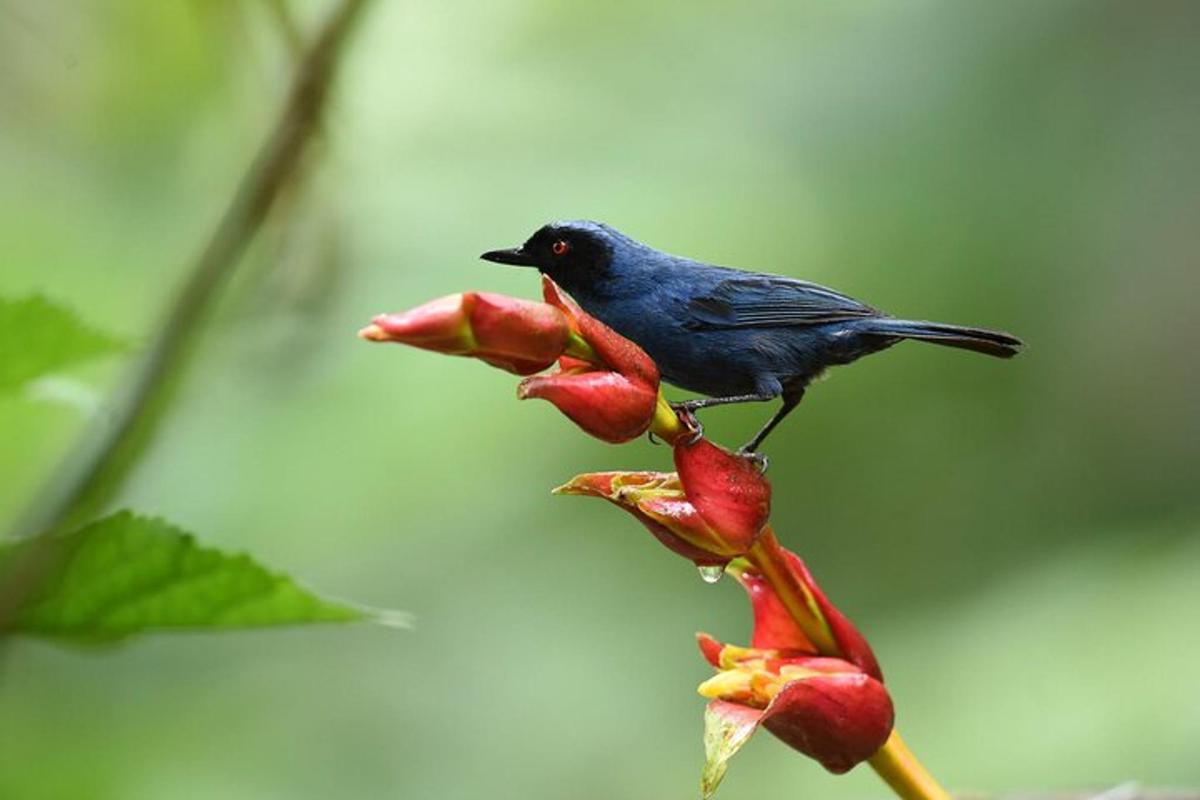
x: 686, y: 411
x: 790, y: 401
x: 708, y: 402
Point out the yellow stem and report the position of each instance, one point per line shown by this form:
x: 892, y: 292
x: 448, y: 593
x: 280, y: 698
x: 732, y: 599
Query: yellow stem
x: 900, y: 769
x: 666, y: 424
x: 894, y: 762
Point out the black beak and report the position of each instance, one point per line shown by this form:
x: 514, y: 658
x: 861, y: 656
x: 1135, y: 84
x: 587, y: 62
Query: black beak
x: 515, y: 256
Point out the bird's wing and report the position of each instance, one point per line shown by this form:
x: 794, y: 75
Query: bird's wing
x: 760, y: 301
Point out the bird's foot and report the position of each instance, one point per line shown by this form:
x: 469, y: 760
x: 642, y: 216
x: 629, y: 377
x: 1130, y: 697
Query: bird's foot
x: 688, y: 418
x: 689, y: 407
x: 759, y: 459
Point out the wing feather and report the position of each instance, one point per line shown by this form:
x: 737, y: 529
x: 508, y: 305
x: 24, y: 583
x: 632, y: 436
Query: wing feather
x: 760, y: 301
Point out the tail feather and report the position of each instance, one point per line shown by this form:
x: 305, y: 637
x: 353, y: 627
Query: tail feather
x: 981, y: 340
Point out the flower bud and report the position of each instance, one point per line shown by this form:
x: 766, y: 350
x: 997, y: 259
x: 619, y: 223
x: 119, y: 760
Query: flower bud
x: 710, y: 512
x: 613, y: 393
x: 519, y: 336
x: 826, y: 708
x: 728, y: 490
x: 656, y: 500
x: 608, y: 405
x: 840, y: 720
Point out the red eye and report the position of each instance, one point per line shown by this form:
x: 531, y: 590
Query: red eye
x: 560, y: 248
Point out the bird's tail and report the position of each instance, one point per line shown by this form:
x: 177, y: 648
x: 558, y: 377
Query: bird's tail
x: 981, y: 340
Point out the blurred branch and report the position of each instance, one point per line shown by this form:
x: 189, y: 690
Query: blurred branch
x: 90, y: 474
x: 288, y: 27
x: 301, y: 270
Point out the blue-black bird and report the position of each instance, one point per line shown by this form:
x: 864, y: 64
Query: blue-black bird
x: 733, y: 335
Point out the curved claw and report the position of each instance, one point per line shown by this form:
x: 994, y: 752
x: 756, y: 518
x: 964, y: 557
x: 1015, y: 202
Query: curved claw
x: 689, y: 419
x: 760, y: 460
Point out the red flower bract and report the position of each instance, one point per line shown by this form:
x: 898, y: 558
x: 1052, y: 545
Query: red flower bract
x: 711, y: 511
x: 613, y: 396
x: 520, y: 336
x: 852, y: 645
x: 834, y: 709
x: 613, y: 350
x: 827, y: 708
x: 727, y: 489
x: 608, y: 405
x: 605, y: 384
x: 656, y: 500
x: 840, y: 720
x: 775, y: 627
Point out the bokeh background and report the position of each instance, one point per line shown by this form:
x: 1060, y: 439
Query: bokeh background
x: 1020, y: 540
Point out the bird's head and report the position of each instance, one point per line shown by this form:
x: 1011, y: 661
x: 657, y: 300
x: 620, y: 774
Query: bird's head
x: 578, y: 255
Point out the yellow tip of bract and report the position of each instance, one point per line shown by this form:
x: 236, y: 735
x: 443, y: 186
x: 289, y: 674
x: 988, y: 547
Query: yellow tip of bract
x: 573, y: 486
x: 598, y: 484
x: 373, y: 333
x: 729, y: 684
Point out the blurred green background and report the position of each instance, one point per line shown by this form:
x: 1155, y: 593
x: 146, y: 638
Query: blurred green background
x: 1020, y: 540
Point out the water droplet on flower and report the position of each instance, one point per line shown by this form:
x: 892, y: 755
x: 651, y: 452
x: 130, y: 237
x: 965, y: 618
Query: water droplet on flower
x: 710, y: 573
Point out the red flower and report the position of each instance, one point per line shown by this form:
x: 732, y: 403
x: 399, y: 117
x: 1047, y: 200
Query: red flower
x: 830, y: 709
x: 612, y: 394
x: 611, y: 349
x: 605, y: 383
x: 709, y: 512
x: 728, y: 490
x: 606, y: 404
x: 826, y: 708
x: 520, y: 336
x: 775, y: 627
x: 657, y: 500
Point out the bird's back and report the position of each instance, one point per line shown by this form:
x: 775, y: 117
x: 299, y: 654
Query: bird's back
x: 721, y: 331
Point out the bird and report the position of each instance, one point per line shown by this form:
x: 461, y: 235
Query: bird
x: 732, y: 335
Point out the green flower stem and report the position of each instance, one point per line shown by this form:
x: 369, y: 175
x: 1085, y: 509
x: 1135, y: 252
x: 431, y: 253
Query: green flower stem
x: 577, y: 347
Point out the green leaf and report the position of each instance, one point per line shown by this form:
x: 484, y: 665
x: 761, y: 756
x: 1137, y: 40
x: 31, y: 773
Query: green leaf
x: 727, y: 726
x: 127, y: 574
x: 38, y: 336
